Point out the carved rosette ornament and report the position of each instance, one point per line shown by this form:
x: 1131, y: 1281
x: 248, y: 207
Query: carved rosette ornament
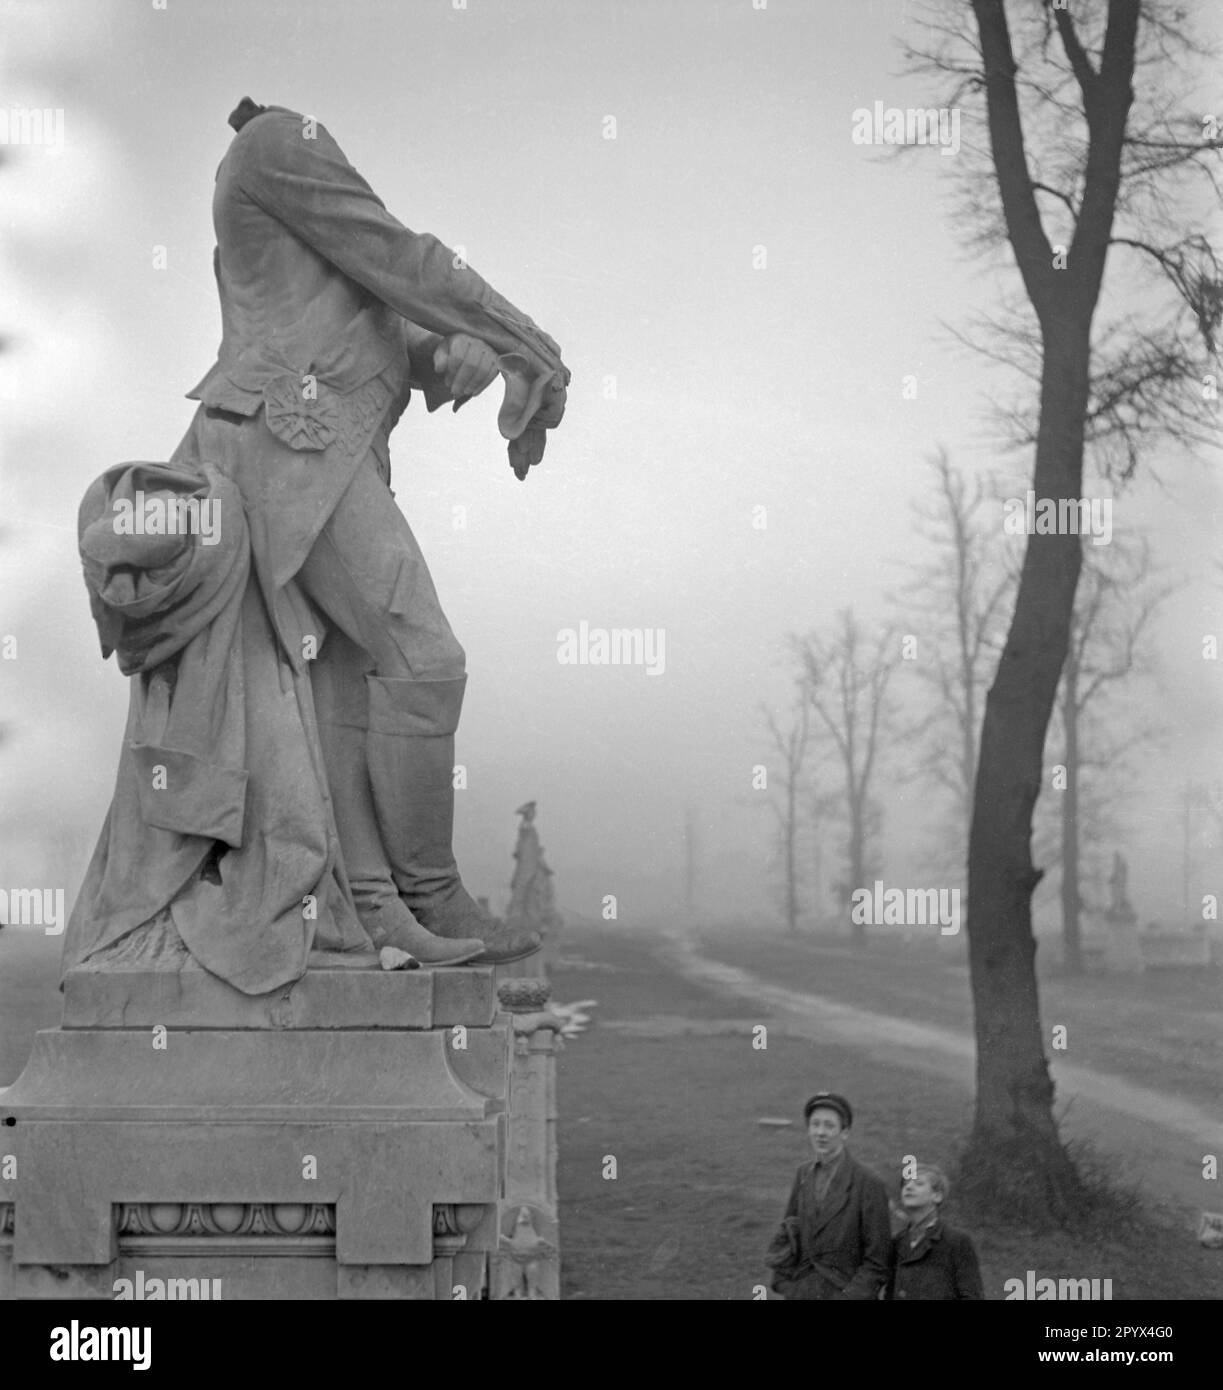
x: 301, y: 411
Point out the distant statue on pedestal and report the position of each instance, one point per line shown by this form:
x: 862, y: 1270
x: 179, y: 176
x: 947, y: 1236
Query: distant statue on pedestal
x: 532, y: 895
x: 1120, y: 910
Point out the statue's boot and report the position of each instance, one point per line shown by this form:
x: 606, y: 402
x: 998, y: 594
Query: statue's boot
x: 411, y: 767
x: 387, y: 919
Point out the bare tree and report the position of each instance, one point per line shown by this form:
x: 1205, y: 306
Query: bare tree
x: 958, y: 602
x: 845, y: 679
x: 790, y: 745
x: 1201, y: 807
x: 1115, y: 603
x: 822, y: 810
x: 1081, y: 163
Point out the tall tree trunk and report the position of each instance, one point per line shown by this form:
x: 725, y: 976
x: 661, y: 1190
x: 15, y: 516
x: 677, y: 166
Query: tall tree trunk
x: 791, y: 866
x: 1014, y: 1089
x: 1015, y: 1137
x: 857, y: 857
x: 817, y: 891
x: 1072, y: 945
x: 968, y: 749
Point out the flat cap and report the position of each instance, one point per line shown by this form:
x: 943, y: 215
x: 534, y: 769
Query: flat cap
x: 829, y: 1100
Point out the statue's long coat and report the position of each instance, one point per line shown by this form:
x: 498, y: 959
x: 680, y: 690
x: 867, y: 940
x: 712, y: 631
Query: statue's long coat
x: 330, y: 312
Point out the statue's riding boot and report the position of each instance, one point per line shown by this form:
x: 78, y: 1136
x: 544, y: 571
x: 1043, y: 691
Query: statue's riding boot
x: 385, y: 916
x: 411, y: 766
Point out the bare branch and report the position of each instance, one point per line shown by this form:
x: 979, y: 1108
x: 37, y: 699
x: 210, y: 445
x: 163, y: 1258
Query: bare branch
x: 1032, y: 250
x: 1086, y: 76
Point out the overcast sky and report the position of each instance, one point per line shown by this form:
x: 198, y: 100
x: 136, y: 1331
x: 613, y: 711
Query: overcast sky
x: 739, y: 290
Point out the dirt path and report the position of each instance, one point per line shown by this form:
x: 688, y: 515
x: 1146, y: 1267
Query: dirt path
x: 1156, y: 1139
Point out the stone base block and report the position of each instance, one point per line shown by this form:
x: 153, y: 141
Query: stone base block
x: 346, y: 1139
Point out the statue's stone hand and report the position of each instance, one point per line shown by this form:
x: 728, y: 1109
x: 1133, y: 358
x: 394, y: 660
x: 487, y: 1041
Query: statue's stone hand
x: 467, y: 365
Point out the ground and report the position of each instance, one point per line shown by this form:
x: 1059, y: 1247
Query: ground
x: 669, y: 1084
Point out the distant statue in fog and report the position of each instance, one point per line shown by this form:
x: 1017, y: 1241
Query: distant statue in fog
x: 1120, y: 910
x: 532, y: 895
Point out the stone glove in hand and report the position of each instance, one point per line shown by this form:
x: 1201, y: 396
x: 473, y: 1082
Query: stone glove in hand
x: 532, y: 404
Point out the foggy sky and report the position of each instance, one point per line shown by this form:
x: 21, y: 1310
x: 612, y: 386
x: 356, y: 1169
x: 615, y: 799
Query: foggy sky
x: 736, y: 386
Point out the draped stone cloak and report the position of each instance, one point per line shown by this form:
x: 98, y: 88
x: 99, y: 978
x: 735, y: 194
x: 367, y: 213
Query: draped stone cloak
x: 221, y: 822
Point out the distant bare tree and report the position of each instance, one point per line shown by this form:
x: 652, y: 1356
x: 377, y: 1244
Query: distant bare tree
x: 1201, y: 807
x: 957, y: 605
x: 1115, y: 603
x: 822, y: 810
x: 790, y: 746
x: 845, y: 679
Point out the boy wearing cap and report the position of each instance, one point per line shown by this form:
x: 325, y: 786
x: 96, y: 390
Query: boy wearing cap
x: 835, y: 1239
x: 931, y: 1261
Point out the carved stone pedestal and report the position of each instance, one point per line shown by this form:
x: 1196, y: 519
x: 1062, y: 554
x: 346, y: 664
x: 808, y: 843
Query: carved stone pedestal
x: 343, y: 1137
x: 527, y: 1263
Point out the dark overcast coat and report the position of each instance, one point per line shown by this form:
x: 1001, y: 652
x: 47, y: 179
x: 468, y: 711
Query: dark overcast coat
x: 942, y: 1266
x: 843, y: 1249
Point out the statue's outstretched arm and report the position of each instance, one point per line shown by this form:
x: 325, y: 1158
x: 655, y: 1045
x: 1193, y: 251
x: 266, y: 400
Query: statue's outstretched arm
x: 309, y: 186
